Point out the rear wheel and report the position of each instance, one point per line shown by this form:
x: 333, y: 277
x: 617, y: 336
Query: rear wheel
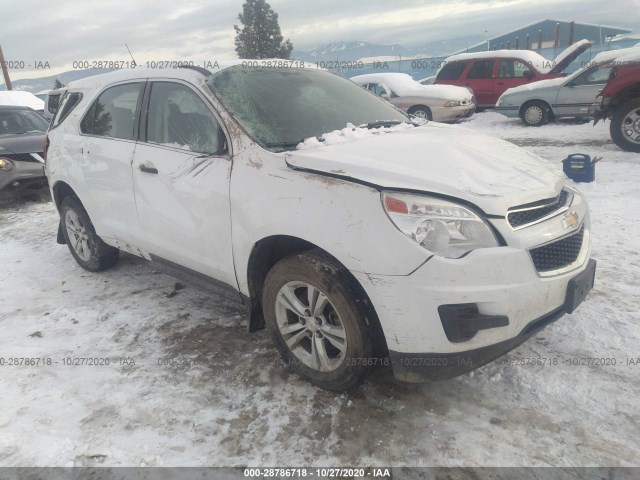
x: 625, y: 126
x: 421, y: 111
x: 85, y: 245
x: 535, y: 114
x: 316, y: 321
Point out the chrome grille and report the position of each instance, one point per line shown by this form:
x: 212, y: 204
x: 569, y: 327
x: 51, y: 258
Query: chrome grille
x: 528, y: 216
x: 558, y: 254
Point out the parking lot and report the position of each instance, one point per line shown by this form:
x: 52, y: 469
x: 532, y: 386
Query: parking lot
x: 173, y: 379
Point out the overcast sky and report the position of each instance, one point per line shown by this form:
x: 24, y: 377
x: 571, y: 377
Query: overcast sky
x: 61, y: 32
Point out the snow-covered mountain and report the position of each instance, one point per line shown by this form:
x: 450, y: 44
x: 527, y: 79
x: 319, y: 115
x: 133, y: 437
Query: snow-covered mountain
x: 356, y: 50
x: 34, y: 85
x: 349, y: 51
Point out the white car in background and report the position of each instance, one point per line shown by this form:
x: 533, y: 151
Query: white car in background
x: 441, y: 103
x: 19, y: 98
x: 540, y: 102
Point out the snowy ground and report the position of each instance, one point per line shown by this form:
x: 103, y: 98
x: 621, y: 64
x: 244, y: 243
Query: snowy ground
x: 224, y: 398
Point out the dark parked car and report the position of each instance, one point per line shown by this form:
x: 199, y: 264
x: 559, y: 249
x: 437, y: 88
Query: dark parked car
x: 620, y: 101
x: 21, y: 137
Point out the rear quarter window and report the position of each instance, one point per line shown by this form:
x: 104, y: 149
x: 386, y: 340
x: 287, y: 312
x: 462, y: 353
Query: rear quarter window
x: 452, y: 71
x: 53, y: 103
x: 68, y: 103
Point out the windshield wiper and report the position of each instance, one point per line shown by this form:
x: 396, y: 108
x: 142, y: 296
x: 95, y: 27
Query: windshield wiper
x: 283, y: 145
x: 384, y: 123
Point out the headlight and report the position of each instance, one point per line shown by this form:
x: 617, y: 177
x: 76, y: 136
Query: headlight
x: 441, y: 227
x: 6, y: 164
x: 452, y: 103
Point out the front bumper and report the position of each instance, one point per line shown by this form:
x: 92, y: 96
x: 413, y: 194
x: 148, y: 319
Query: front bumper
x: 499, y: 282
x: 420, y: 367
x: 451, y: 114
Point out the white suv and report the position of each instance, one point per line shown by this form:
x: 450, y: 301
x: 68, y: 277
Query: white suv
x: 428, y: 247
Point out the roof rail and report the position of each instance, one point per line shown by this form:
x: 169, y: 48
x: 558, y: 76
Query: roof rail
x: 201, y: 70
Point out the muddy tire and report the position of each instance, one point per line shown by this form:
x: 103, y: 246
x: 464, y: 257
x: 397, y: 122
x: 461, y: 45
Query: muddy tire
x: 625, y: 126
x: 535, y: 114
x: 87, y: 248
x: 317, y: 322
x: 421, y: 111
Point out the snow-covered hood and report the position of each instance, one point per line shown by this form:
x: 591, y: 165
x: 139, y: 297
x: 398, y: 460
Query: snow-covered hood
x: 539, y: 85
x: 449, y: 160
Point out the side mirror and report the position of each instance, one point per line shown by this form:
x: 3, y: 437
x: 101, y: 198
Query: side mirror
x: 385, y: 96
x: 528, y: 74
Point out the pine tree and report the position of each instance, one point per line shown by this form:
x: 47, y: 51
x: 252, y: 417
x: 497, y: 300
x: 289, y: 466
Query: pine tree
x: 57, y: 84
x: 260, y: 35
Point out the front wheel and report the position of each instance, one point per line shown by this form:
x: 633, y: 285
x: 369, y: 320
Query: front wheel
x: 317, y: 322
x: 535, y: 114
x: 85, y: 245
x: 625, y: 126
x: 421, y: 111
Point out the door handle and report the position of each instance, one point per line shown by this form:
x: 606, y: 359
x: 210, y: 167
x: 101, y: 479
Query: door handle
x: 145, y: 169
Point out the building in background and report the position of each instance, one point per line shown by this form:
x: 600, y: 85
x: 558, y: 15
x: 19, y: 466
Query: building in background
x: 549, y: 34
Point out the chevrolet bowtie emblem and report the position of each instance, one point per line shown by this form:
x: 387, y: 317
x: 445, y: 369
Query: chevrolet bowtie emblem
x: 570, y: 220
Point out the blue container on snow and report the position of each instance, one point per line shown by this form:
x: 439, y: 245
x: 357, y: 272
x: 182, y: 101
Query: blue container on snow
x: 579, y: 167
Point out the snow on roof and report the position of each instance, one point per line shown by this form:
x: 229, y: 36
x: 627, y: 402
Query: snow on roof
x: 613, y: 54
x: 405, y: 86
x: 630, y: 57
x: 20, y: 98
x: 529, y: 57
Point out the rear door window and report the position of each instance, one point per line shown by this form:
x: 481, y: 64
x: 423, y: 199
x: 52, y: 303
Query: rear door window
x: 113, y: 113
x: 452, y: 71
x: 481, y: 69
x: 513, y: 69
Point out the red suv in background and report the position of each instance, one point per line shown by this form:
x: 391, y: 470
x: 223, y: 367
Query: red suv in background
x: 621, y: 102
x: 489, y: 74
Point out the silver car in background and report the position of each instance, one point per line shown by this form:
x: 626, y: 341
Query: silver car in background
x: 21, y: 140
x: 441, y: 103
x: 541, y: 102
